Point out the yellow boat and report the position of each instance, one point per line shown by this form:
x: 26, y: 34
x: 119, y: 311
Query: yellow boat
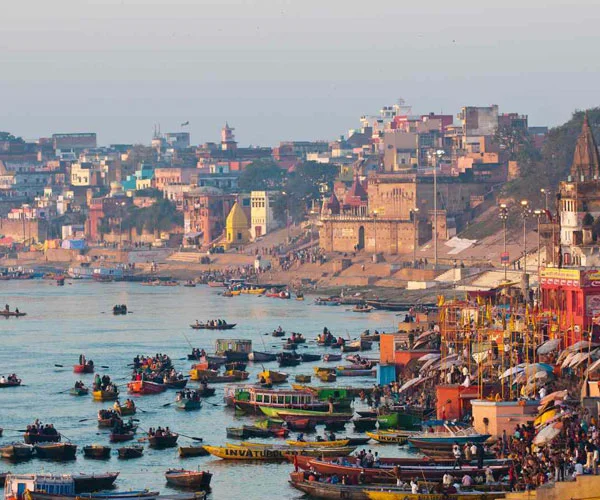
x: 403, y: 495
x: 272, y: 452
x: 254, y: 291
x: 105, y: 395
x: 318, y: 444
x: 235, y: 292
x: 323, y: 370
x: 386, y: 437
x: 272, y: 376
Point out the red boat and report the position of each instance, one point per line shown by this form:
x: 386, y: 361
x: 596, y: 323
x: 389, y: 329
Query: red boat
x: 87, y: 368
x: 145, y: 387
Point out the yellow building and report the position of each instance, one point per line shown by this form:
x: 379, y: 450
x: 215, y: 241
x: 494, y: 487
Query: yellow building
x: 236, y: 227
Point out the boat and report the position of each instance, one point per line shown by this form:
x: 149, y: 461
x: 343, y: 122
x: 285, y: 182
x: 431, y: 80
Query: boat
x: 296, y: 338
x: 327, y: 376
x: 96, y: 451
x: 253, y: 291
x: 299, y: 296
x: 363, y: 424
x: 188, y: 478
x: 303, y: 379
x: 233, y: 349
x: 251, y: 399
x: 464, y: 495
x: 444, y: 435
x: 271, y: 376
x: 105, y: 395
x: 214, y: 376
x: 307, y: 358
x: 192, y: 451
x: 278, y: 333
x: 249, y: 451
x: 84, y: 368
x: 249, y: 431
x: 390, y: 437
x: 16, y: 451
x: 332, y: 357
x: 258, y: 357
x: 288, y: 359
x: 348, y: 372
x: 338, y: 443
x: 121, y: 437
x: 357, y: 345
x: 79, y: 391
x: 176, y: 383
x: 56, y: 451
x: 120, y: 309
x: 188, y: 404
x: 317, y: 416
x: 362, y: 308
x: 216, y: 284
x: 33, y: 438
x: 12, y: 314
x: 164, y: 441
x: 108, y: 418
x: 94, y: 482
x: 190, y: 284
x: 207, y: 326
x: 206, y: 392
x: 127, y: 452
x: 145, y: 387
x: 126, y: 409
x: 331, y: 301
x: 10, y: 383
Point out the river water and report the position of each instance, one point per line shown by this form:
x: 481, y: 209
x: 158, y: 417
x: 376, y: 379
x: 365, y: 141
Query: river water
x: 63, y: 322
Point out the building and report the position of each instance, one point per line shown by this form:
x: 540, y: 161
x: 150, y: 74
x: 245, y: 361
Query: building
x: 262, y: 220
x: 178, y: 140
x: 73, y: 143
x: 205, y: 210
x: 236, y: 227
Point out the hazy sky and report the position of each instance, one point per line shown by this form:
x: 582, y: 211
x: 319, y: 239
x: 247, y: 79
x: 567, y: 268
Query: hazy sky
x: 278, y: 70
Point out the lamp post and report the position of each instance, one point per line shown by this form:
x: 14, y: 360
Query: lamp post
x: 538, y: 215
x: 504, y: 217
x: 287, y: 215
x: 546, y: 193
x: 415, y: 213
x: 436, y: 157
x: 374, y: 232
x: 525, y: 214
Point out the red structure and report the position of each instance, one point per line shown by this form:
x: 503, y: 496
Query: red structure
x: 205, y: 211
x: 570, y: 299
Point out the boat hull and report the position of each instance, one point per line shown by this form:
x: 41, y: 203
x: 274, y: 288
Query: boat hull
x: 144, y: 387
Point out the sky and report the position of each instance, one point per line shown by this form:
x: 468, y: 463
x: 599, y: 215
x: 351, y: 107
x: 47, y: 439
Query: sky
x: 286, y: 69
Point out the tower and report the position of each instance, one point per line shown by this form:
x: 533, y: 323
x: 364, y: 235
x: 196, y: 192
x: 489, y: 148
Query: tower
x: 586, y: 161
x: 228, y: 138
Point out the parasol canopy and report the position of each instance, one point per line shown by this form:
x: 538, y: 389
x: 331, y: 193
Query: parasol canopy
x: 549, y: 346
x: 547, y: 434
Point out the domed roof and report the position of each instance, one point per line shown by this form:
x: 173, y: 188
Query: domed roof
x: 237, y: 217
x: 356, y: 195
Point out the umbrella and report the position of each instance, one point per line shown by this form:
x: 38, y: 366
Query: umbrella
x: 593, y: 366
x: 431, y: 355
x: 568, y: 359
x: 548, y: 346
x: 578, y: 358
x: 547, y: 434
x: 512, y: 371
x: 554, y: 396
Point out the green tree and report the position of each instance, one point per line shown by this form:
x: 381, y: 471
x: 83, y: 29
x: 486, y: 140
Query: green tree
x: 161, y: 216
x: 262, y: 175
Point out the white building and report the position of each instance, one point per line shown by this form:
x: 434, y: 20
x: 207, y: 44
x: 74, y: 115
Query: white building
x: 261, y: 213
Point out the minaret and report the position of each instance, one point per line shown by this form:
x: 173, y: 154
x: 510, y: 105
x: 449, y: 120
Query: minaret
x: 228, y: 138
x: 586, y: 161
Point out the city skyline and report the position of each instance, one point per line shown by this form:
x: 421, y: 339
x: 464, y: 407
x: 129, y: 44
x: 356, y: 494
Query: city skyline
x: 280, y: 70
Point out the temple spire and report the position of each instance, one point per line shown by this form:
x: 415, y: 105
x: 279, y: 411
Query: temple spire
x: 586, y: 161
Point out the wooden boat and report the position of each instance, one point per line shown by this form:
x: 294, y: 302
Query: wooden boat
x: 278, y: 333
x: 86, y: 368
x: 364, y: 424
x: 94, y: 482
x: 357, y: 345
x: 332, y: 357
x: 127, y: 452
x: 362, y: 308
x: 12, y: 314
x: 303, y: 379
x: 256, y: 451
x: 105, y: 395
x: 10, y: 383
x: 124, y: 410
x: 96, y: 451
x: 307, y: 358
x: 273, y: 376
x: 348, y: 372
x: 188, y: 478
x: 192, y: 451
x: 387, y: 437
x: 440, y: 442
x: 79, y: 391
x: 165, y: 441
x: 263, y: 357
x: 176, y: 383
x: 56, y: 451
x: 214, y: 376
x: 16, y: 451
x: 216, y: 284
x: 145, y: 387
x: 253, y: 291
x: 327, y: 376
x: 465, y: 495
x: 207, y: 326
x: 30, y: 438
x: 190, y: 284
x: 300, y: 424
x: 121, y: 437
x: 338, y: 443
x: 188, y: 404
x: 251, y: 399
x: 288, y: 359
x: 108, y: 418
x: 318, y: 416
x: 236, y: 365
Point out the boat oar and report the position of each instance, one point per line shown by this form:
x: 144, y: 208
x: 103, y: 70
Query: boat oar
x: 58, y: 366
x: 167, y: 404
x: 85, y: 419
x: 62, y: 392
x: 105, y: 367
x: 192, y: 437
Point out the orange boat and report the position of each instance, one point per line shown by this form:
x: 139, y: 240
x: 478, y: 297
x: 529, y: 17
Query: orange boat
x: 145, y: 387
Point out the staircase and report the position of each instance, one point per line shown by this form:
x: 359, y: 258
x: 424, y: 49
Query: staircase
x: 191, y: 257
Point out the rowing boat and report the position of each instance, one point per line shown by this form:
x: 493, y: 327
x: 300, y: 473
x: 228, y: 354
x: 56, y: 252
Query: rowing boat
x: 96, y: 451
x: 188, y: 478
x: 192, y: 451
x: 145, y: 387
x: 188, y: 404
x: 127, y: 452
x: 56, y: 451
x: 395, y: 438
x: 12, y: 314
x: 207, y: 326
x: 84, y: 368
x: 165, y: 441
x: 267, y: 452
x: 320, y: 416
x: 105, y: 395
x: 273, y: 376
x: 319, y: 444
x: 79, y: 391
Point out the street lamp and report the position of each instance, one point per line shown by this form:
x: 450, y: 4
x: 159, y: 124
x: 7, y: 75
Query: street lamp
x: 546, y: 193
x: 374, y: 231
x: 415, y: 213
x: 525, y: 214
x: 538, y: 215
x: 436, y: 158
x: 287, y: 215
x: 504, y: 217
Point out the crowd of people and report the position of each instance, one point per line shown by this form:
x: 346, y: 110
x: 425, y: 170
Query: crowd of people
x: 104, y: 384
x: 11, y: 379
x: 187, y: 394
x: 42, y: 429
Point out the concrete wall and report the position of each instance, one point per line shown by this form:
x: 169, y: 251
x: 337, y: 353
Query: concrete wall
x: 504, y: 415
x: 30, y: 229
x: 585, y: 487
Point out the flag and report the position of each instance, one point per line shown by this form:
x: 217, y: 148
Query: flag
x: 184, y: 124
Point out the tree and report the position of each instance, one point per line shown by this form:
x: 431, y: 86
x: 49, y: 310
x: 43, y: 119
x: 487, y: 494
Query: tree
x: 161, y: 216
x: 262, y: 175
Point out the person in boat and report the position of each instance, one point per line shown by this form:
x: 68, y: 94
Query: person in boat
x: 300, y: 438
x: 320, y: 439
x: 7, y: 308
x: 331, y: 436
x: 279, y: 330
x: 2, y: 379
x: 17, y: 310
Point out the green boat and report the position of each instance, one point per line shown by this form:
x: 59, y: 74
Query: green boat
x: 79, y: 391
x: 404, y: 421
x: 188, y: 404
x: 274, y: 413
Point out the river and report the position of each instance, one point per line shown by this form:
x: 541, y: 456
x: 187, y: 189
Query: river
x: 63, y: 322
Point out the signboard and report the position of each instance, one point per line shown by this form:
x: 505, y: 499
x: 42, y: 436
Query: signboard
x: 591, y: 278
x: 592, y: 305
x: 563, y: 277
x: 505, y: 258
